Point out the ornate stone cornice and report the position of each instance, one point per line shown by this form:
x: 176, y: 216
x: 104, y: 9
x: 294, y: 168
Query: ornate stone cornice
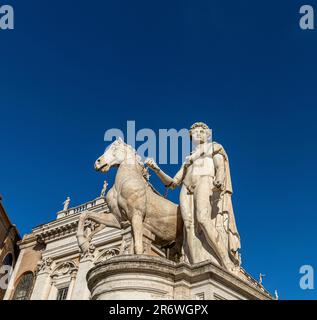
x: 57, y: 232
x: 66, y: 226
x: 65, y: 268
x: 175, y: 272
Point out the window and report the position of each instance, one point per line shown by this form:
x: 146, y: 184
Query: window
x: 62, y: 293
x: 8, y: 260
x: 24, y: 288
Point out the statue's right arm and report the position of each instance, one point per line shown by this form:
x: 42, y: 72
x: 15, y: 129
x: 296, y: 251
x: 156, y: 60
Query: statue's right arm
x: 166, y: 179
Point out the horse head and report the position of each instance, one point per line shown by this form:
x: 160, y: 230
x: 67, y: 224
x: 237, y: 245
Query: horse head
x: 115, y: 154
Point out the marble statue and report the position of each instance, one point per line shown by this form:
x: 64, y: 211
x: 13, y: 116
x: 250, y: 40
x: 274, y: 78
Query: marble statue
x: 104, y: 189
x: 202, y: 227
x: 205, y: 201
x: 66, y: 204
x: 133, y: 199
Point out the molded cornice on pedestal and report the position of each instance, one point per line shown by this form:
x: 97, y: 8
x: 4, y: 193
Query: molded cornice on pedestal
x: 147, y: 277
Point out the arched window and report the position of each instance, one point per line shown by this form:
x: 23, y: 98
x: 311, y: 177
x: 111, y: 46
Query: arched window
x: 8, y: 260
x: 24, y: 288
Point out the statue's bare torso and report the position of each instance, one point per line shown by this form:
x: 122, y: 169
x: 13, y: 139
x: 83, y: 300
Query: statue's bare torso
x: 201, y: 166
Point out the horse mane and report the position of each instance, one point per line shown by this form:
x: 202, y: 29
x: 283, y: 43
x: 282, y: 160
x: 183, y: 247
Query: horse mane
x: 145, y: 171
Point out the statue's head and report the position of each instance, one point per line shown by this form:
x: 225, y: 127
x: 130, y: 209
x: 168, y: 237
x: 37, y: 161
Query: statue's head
x: 200, y: 132
x: 114, y: 155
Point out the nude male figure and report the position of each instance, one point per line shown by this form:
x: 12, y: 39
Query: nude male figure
x: 202, y: 172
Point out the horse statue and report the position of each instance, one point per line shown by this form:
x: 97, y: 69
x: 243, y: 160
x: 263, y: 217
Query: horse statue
x: 132, y: 198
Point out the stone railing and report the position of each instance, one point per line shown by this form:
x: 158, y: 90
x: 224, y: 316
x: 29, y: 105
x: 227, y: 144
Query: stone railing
x: 81, y: 208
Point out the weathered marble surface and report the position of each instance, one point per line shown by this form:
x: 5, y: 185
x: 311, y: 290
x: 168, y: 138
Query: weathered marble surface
x: 132, y: 199
x: 134, y: 277
x: 201, y: 228
x: 210, y: 230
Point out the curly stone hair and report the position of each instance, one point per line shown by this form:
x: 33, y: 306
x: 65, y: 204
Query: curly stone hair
x: 200, y: 125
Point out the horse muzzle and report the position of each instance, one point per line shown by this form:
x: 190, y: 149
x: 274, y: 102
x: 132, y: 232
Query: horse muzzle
x: 105, y: 168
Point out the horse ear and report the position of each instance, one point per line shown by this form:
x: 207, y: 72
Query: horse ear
x: 119, y: 139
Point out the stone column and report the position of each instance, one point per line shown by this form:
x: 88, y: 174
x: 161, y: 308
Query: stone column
x: 71, y: 285
x: 80, y: 290
x: 53, y: 291
x: 43, y: 280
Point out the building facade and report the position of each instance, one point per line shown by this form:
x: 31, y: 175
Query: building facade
x: 51, y: 267
x: 9, y: 236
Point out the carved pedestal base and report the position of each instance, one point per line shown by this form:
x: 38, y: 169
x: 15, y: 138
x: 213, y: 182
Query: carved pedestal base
x: 144, y: 277
x: 148, y: 239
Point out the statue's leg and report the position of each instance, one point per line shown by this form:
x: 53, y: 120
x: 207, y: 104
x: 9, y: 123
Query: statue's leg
x: 137, y: 227
x: 187, y: 215
x: 203, y: 207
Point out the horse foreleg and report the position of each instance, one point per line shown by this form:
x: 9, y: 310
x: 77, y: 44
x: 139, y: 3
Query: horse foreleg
x: 105, y: 220
x: 137, y: 227
x: 81, y: 221
x: 108, y: 220
x: 83, y: 242
x: 92, y: 233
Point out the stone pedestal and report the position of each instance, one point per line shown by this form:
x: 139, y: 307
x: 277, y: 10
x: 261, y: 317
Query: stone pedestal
x: 132, y: 277
x: 148, y: 239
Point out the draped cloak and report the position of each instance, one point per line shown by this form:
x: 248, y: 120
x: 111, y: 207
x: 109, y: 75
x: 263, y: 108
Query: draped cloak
x: 225, y: 205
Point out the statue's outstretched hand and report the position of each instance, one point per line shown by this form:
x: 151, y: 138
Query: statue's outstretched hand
x: 150, y: 162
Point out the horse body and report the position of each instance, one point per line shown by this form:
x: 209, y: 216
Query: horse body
x: 133, y: 199
x: 132, y: 195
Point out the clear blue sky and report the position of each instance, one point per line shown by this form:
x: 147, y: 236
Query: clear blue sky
x: 71, y: 70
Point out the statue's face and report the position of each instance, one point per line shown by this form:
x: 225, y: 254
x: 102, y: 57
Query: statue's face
x: 200, y: 135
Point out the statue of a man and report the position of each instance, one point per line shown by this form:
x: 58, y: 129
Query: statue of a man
x: 104, y: 189
x: 66, y: 204
x: 205, y: 194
